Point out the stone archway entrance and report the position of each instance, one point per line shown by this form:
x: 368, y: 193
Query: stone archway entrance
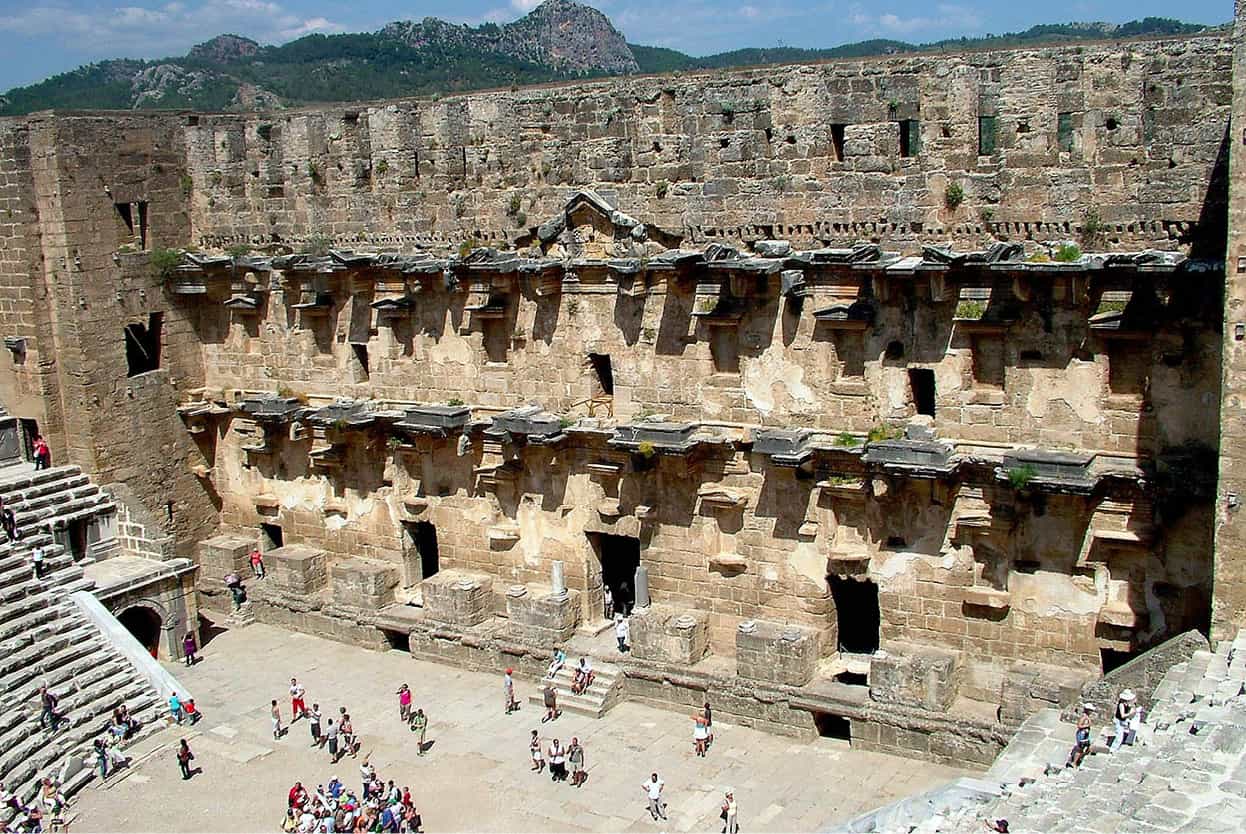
x: 145, y: 624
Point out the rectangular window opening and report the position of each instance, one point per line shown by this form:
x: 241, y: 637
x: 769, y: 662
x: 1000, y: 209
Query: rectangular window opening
x: 986, y: 135
x: 271, y: 537
x: 127, y: 215
x: 1064, y: 131
x: 910, y: 137
x: 142, y: 345
x: 604, y: 373
x: 837, y: 142
x: 922, y: 386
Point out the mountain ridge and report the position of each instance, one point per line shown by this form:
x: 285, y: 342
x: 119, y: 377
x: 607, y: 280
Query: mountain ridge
x: 559, y: 40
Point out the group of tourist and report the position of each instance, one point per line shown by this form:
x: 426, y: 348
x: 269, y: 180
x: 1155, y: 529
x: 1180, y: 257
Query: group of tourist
x: 48, y: 804
x: 380, y: 806
x: 1126, y: 719
x: 559, y: 758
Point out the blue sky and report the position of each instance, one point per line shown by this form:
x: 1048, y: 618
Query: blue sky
x: 40, y: 40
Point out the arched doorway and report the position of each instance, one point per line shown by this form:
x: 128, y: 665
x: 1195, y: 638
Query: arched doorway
x: 144, y: 624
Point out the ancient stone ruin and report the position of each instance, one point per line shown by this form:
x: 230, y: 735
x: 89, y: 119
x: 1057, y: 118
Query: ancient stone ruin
x: 894, y: 399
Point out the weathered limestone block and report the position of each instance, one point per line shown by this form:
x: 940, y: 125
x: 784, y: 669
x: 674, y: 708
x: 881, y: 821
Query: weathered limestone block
x: 1029, y: 687
x: 223, y: 554
x: 298, y: 568
x: 668, y: 635
x: 537, y: 615
x: 363, y: 583
x: 915, y: 676
x: 458, y: 598
x: 777, y: 653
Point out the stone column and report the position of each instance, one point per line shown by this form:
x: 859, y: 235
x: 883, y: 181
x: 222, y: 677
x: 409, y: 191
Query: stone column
x: 642, y: 587
x: 558, y: 579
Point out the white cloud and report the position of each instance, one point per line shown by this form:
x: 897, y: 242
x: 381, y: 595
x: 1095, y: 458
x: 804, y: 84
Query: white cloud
x: 750, y: 12
x: 948, y: 19
x: 160, y: 30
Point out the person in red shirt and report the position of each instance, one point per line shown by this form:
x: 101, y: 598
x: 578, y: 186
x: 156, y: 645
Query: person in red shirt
x: 298, y: 796
x: 257, y: 563
x: 43, y: 453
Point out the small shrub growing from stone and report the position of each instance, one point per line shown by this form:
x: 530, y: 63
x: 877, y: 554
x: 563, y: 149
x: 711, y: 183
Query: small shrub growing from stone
x: 1068, y: 252
x: 953, y: 196
x: 164, y: 261
x: 1019, y: 477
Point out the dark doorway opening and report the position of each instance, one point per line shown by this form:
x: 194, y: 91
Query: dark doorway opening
x: 144, y: 624
x: 837, y: 141
x: 922, y: 384
x: 142, y: 345
x: 30, y: 430
x: 856, y: 610
x: 422, y: 538
x: 398, y: 640
x: 360, y: 352
x: 620, y: 556
x: 271, y: 537
x: 832, y: 726
x: 604, y: 371
x: 1112, y: 659
x: 76, y: 540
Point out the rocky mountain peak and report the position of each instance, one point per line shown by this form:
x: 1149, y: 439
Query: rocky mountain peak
x: 224, y: 49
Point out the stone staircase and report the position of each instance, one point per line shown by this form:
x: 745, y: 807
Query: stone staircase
x: 605, y: 691
x: 1187, y: 770
x: 45, y: 639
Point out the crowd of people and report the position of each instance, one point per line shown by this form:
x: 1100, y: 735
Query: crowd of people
x: 48, y: 805
x: 379, y: 806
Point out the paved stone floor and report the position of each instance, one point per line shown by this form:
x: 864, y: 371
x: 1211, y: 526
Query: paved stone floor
x: 476, y: 775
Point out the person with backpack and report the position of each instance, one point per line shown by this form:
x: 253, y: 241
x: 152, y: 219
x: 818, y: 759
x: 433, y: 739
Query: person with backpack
x: 184, y: 758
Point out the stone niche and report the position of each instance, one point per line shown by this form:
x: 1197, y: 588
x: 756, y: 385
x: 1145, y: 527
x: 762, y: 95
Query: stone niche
x: 363, y: 583
x: 777, y: 653
x: 537, y: 615
x: 668, y: 635
x: 458, y: 598
x: 915, y: 676
x: 224, y: 554
x: 297, y: 568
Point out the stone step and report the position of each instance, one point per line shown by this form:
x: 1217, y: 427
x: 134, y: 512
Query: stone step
x: 12, y: 487
x: 572, y: 703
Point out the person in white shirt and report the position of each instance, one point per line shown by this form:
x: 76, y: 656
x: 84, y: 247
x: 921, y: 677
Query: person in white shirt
x: 621, y: 631
x: 729, y: 814
x: 653, y: 789
x: 36, y: 561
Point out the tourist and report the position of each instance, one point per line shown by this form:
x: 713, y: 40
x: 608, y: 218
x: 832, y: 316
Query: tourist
x: 274, y: 713
x: 350, y: 744
x: 367, y: 775
x: 555, y: 665
x: 52, y: 798
x: 189, y: 647
x: 508, y: 692
x: 101, y: 758
x: 36, y: 561
x: 653, y: 789
x: 314, y: 716
x: 728, y: 814
x: 115, y: 758
x: 1123, y: 717
x: 43, y: 453
x: 298, y: 709
x: 9, y: 522
x: 124, y: 725
x: 48, y: 715
x: 236, y: 591
x: 609, y: 604
x: 175, y: 708
x: 290, y: 824
x: 330, y: 734
x: 621, y: 632
x: 534, y: 750
x: 419, y: 725
x: 1081, y: 737
x: 550, y: 697
x: 575, y: 755
x: 557, y: 762
x: 190, y: 713
x: 404, y: 703
x: 582, y: 678
x: 184, y: 758
x: 257, y: 563
x: 700, y: 735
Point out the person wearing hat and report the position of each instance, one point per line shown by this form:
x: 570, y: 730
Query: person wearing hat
x: 1081, y: 740
x: 1126, y: 708
x: 508, y: 690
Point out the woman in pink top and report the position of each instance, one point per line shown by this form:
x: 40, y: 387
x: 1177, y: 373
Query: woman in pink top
x: 404, y: 703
